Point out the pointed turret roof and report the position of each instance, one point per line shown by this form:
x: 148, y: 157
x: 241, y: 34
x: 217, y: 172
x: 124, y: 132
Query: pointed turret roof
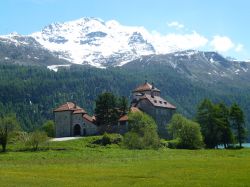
x: 146, y: 87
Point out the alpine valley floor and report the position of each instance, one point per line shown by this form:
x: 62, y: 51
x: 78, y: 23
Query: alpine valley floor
x: 73, y: 163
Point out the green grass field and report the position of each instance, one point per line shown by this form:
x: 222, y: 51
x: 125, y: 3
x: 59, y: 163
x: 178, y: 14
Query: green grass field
x: 71, y: 163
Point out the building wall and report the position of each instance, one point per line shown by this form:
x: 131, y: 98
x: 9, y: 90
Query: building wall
x: 87, y: 128
x: 63, y: 123
x: 161, y: 115
x: 122, y: 127
x: 91, y: 129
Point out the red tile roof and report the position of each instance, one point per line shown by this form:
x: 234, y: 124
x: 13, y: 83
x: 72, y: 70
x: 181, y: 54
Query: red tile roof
x: 157, y: 101
x: 88, y: 117
x: 124, y: 118
x: 135, y: 109
x: 145, y: 87
x: 69, y: 106
x: 132, y: 109
x: 79, y: 111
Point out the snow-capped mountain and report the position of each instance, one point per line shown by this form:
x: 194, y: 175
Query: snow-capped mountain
x: 95, y: 42
x: 102, y: 44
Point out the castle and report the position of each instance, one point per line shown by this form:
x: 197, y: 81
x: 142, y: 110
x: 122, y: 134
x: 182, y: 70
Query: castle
x: 72, y: 120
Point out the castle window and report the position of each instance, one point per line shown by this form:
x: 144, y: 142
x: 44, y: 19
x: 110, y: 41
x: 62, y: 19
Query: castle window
x: 161, y: 102
x: 155, y: 101
x: 165, y: 102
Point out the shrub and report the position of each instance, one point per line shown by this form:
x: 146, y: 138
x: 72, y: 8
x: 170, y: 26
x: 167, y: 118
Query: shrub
x: 163, y: 143
x: 34, y: 139
x: 174, y: 144
x: 108, y: 139
x: 142, y: 132
x: 186, y: 132
x: 49, y: 128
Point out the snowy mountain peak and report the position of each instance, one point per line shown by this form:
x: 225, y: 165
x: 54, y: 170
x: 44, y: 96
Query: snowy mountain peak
x: 95, y: 42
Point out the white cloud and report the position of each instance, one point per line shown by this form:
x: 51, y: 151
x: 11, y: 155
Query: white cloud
x: 172, y: 42
x: 239, y: 48
x: 222, y: 43
x: 176, y: 25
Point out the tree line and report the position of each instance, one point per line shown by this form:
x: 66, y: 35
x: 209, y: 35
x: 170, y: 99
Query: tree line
x: 220, y: 124
x: 214, y: 124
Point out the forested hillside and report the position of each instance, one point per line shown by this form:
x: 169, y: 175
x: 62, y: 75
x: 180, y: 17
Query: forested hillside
x: 33, y: 92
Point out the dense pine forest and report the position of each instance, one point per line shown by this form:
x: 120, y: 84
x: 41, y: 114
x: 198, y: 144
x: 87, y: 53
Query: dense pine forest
x: 33, y: 92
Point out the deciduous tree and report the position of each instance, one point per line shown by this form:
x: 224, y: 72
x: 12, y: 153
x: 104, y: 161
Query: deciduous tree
x: 142, y: 132
x: 8, y: 125
x: 186, y: 131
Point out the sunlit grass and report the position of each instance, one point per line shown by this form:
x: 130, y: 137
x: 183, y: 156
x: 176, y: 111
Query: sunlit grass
x: 71, y: 163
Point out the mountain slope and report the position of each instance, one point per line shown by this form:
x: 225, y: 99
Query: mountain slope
x: 206, y: 67
x: 25, y: 50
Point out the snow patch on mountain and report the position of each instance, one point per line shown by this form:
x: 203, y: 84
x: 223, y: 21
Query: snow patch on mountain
x: 101, y: 44
x: 55, y: 67
x: 95, y: 42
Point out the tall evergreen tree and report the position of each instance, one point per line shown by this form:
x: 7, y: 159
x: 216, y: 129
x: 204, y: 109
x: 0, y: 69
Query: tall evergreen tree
x: 106, y: 110
x: 238, y: 123
x: 223, y: 119
x: 123, y: 105
x: 210, y: 124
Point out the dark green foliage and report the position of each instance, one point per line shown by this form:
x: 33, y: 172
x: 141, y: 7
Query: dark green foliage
x: 215, y: 123
x: 33, y: 92
x: 142, y: 132
x: 123, y: 104
x: 106, y: 109
x: 108, y: 139
x: 186, y: 133
x: 109, y: 109
x: 8, y: 125
x: 226, y: 132
x: 238, y: 123
x: 174, y: 144
x: 49, y: 128
x: 207, y: 114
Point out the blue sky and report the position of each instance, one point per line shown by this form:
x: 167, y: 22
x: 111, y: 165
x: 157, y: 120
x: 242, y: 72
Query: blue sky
x: 222, y: 24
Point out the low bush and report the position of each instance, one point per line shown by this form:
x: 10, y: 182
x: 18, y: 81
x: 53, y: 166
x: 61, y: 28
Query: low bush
x: 34, y: 139
x: 173, y: 144
x: 108, y: 139
x: 163, y: 143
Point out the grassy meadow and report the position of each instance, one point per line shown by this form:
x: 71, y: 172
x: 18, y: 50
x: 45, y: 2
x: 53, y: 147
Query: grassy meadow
x: 73, y: 163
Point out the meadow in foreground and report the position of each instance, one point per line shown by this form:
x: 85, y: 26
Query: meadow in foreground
x: 73, y: 163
